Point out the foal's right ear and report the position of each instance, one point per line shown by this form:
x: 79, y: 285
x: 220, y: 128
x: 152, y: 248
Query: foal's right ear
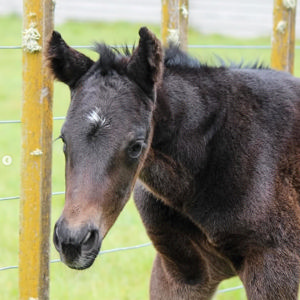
x: 66, y: 64
x: 145, y: 66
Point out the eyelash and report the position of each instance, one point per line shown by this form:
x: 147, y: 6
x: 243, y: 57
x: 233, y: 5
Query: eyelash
x: 58, y: 138
x: 61, y: 137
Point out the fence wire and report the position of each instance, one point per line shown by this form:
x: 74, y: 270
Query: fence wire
x: 126, y: 249
x: 135, y: 247
x: 189, y: 46
x: 18, y: 197
x: 100, y: 253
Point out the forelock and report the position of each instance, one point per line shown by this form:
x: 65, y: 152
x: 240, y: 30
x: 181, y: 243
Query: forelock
x: 111, y: 59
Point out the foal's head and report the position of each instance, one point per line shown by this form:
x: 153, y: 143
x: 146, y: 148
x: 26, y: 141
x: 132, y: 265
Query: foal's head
x: 107, y: 132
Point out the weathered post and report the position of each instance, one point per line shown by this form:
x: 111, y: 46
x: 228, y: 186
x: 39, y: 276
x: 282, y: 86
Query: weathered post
x: 174, y: 23
x: 283, y: 38
x: 183, y: 23
x: 36, y: 153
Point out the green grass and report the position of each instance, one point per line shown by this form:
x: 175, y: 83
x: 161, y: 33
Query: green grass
x: 122, y: 275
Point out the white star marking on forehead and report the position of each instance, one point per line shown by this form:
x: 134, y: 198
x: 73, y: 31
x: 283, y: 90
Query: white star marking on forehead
x: 96, y: 118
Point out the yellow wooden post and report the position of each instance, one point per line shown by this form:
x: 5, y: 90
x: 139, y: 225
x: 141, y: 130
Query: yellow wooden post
x: 283, y: 38
x: 183, y: 23
x: 36, y: 153
x: 174, y: 23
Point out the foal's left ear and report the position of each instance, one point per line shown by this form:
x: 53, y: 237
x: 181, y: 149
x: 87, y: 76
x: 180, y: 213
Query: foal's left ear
x: 66, y: 64
x: 145, y: 66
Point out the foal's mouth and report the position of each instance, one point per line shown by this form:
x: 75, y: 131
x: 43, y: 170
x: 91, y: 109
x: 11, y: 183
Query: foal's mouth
x: 78, y: 253
x: 83, y: 261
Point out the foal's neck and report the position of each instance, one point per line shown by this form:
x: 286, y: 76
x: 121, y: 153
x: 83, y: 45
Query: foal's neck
x: 178, y: 101
x: 164, y: 118
x: 189, y: 110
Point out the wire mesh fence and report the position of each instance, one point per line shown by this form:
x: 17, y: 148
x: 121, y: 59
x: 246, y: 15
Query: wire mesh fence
x: 135, y: 247
x: 16, y: 122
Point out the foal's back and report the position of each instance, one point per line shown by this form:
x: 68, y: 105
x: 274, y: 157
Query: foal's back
x: 279, y: 97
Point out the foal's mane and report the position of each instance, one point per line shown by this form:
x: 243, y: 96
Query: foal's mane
x: 175, y: 57
x: 112, y: 58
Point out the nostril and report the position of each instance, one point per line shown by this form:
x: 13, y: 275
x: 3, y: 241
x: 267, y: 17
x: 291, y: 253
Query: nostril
x: 87, y: 237
x: 90, y: 239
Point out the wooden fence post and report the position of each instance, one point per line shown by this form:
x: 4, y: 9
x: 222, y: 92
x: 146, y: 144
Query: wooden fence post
x: 183, y: 23
x: 283, y: 38
x: 36, y: 153
x: 174, y: 23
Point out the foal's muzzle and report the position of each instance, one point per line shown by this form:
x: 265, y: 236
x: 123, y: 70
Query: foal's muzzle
x: 78, y: 247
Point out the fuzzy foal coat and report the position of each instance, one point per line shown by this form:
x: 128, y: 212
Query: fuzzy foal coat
x: 218, y: 191
x: 225, y: 159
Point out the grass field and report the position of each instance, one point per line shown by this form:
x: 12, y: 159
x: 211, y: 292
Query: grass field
x: 115, y: 276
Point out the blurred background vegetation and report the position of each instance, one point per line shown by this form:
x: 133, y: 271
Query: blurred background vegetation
x: 119, y: 275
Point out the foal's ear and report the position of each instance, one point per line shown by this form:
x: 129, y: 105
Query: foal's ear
x: 145, y: 66
x: 66, y: 64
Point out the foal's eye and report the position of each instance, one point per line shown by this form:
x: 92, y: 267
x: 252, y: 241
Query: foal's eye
x: 136, y: 148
